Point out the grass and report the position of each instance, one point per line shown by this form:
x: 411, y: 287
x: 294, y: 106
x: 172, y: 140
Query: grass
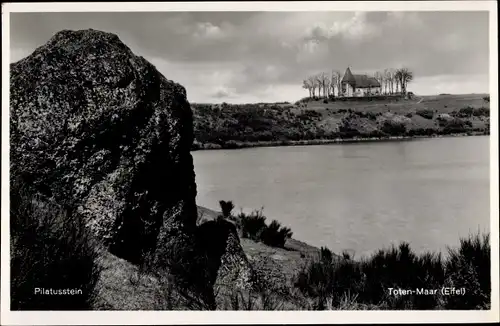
x: 52, y: 249
x: 366, y: 282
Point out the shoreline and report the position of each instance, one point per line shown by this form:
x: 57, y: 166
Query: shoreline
x: 284, y: 143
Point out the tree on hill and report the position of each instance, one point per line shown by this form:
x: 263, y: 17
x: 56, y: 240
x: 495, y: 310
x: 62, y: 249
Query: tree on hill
x: 404, y: 75
x: 379, y: 76
x: 306, y: 84
x: 338, y: 81
x: 313, y: 84
x: 322, y: 79
x: 397, y: 80
x: 388, y: 81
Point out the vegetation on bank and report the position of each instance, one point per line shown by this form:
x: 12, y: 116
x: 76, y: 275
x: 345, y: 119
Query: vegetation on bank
x: 248, y: 125
x: 370, y: 280
x: 331, y: 281
x: 253, y: 226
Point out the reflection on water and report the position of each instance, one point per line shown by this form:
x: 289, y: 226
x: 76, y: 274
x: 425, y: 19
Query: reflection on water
x: 359, y: 196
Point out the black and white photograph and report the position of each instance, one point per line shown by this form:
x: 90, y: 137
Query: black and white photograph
x: 229, y: 157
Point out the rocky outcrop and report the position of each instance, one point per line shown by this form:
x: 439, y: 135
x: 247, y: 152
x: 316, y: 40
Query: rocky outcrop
x: 229, y: 269
x: 101, y: 130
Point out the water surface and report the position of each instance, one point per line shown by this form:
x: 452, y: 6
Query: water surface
x: 360, y: 196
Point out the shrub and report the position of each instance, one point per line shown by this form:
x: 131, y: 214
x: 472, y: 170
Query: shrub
x: 409, y: 115
x: 326, y: 255
x: 486, y: 98
x: 325, y: 101
x: 371, y: 115
x: 456, y: 126
x: 393, y: 128
x: 252, y: 224
x: 51, y: 248
x: 226, y: 208
x: 275, y: 235
x: 368, y: 280
x: 465, y: 112
x: 481, y: 112
x: 425, y: 113
x: 469, y: 267
x: 376, y: 134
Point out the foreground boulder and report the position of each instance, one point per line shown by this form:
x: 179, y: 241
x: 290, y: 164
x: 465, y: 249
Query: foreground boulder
x: 101, y: 130
x: 228, y: 269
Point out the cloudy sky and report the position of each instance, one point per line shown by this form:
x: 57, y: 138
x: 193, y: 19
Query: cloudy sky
x: 264, y: 56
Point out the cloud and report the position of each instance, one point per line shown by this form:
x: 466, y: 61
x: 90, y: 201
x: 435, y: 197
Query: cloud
x: 208, y: 30
x: 246, y: 56
x: 354, y: 28
x: 222, y: 92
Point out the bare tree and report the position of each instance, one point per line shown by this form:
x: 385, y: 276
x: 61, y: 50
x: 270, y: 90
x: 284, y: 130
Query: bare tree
x: 404, y: 76
x: 333, y: 82
x: 387, y: 78
x: 397, y: 79
x: 307, y: 85
x: 313, y: 84
x: 338, y: 81
x: 379, y: 76
x: 322, y: 79
x: 326, y: 86
x: 392, y: 80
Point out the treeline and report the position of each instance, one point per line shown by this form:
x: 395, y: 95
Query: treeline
x: 392, y: 81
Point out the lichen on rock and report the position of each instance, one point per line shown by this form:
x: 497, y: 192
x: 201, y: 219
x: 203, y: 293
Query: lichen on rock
x: 99, y: 128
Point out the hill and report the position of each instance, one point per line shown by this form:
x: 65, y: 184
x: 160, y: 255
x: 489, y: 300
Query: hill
x: 312, y: 122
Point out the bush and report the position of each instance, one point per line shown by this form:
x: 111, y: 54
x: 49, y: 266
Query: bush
x: 469, y: 267
x: 486, y: 98
x: 371, y: 115
x: 275, y: 235
x: 465, y: 112
x: 421, y: 132
x: 456, y: 126
x: 481, y: 112
x: 393, y: 128
x: 325, y: 101
x: 226, y: 208
x: 425, y: 113
x: 51, y: 248
x: 252, y: 224
x: 369, y: 280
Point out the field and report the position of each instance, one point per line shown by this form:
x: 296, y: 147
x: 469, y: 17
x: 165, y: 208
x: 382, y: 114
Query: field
x: 441, y: 103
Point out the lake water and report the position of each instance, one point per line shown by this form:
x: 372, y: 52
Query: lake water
x: 358, y: 197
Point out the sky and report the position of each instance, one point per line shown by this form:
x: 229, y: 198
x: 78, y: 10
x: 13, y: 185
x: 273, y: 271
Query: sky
x: 244, y: 57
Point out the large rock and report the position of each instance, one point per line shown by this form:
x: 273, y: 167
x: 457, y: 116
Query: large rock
x: 100, y: 129
x: 228, y: 268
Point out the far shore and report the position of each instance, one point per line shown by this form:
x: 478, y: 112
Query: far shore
x: 279, y: 143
